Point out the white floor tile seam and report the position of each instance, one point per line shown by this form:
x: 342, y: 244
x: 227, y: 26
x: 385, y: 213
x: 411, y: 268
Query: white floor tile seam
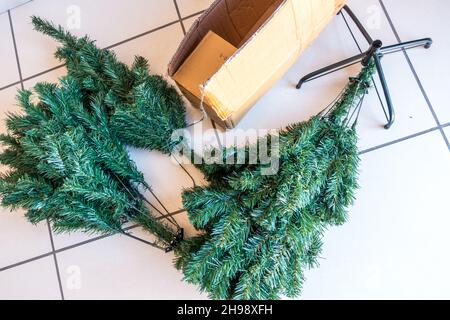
x: 13, y: 36
x: 50, y: 253
x: 180, y: 20
x: 427, y: 99
x: 400, y: 140
x: 17, y: 6
x: 55, y: 259
x: 53, y: 252
x: 416, y: 76
x: 114, y: 45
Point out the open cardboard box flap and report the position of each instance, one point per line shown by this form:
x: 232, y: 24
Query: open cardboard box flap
x: 269, y: 36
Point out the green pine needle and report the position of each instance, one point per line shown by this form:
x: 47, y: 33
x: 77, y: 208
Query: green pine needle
x: 263, y: 231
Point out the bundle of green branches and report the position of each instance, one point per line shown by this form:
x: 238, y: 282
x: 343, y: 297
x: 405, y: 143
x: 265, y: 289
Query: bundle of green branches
x: 67, y: 166
x: 262, y: 231
x: 67, y: 157
x: 143, y: 109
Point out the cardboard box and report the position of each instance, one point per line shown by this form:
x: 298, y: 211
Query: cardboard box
x: 209, y: 56
x: 269, y: 36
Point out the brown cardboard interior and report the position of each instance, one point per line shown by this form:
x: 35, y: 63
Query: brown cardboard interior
x: 233, y: 20
x: 207, y: 58
x: 269, y: 36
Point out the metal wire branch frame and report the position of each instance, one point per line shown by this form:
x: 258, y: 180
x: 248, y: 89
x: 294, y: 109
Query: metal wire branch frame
x: 376, y: 51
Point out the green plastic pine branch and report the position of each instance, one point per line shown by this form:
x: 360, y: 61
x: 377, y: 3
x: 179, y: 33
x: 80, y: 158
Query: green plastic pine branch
x: 143, y: 109
x: 68, y: 166
x: 262, y: 231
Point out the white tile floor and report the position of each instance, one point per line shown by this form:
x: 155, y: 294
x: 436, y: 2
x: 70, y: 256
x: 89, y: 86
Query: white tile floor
x: 395, y: 244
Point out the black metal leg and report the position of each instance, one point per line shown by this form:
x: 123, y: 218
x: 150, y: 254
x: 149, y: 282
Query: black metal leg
x: 426, y: 43
x: 358, y: 24
x: 331, y: 68
x: 387, y: 94
x: 376, y: 51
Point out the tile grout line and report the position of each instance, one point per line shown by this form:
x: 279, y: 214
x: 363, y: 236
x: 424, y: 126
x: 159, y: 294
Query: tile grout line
x: 216, y: 132
x: 184, y: 32
x: 390, y: 143
x: 361, y: 51
x: 183, y: 28
x: 44, y: 72
x: 19, y: 69
x: 20, y: 263
x: 108, y: 47
x: 73, y: 246
x: 397, y: 140
x: 416, y: 76
x: 55, y: 259
x: 179, y: 16
x: 193, y: 14
x: 22, y: 86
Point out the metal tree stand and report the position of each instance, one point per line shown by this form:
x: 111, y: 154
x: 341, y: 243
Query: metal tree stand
x: 375, y: 51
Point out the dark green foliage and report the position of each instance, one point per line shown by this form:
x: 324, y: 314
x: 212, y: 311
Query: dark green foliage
x: 262, y: 231
x: 153, y: 116
x: 67, y: 165
x: 144, y: 110
x: 66, y: 154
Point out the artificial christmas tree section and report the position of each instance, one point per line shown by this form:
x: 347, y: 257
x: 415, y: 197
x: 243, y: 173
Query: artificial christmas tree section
x: 134, y: 99
x: 263, y: 231
x: 66, y: 153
